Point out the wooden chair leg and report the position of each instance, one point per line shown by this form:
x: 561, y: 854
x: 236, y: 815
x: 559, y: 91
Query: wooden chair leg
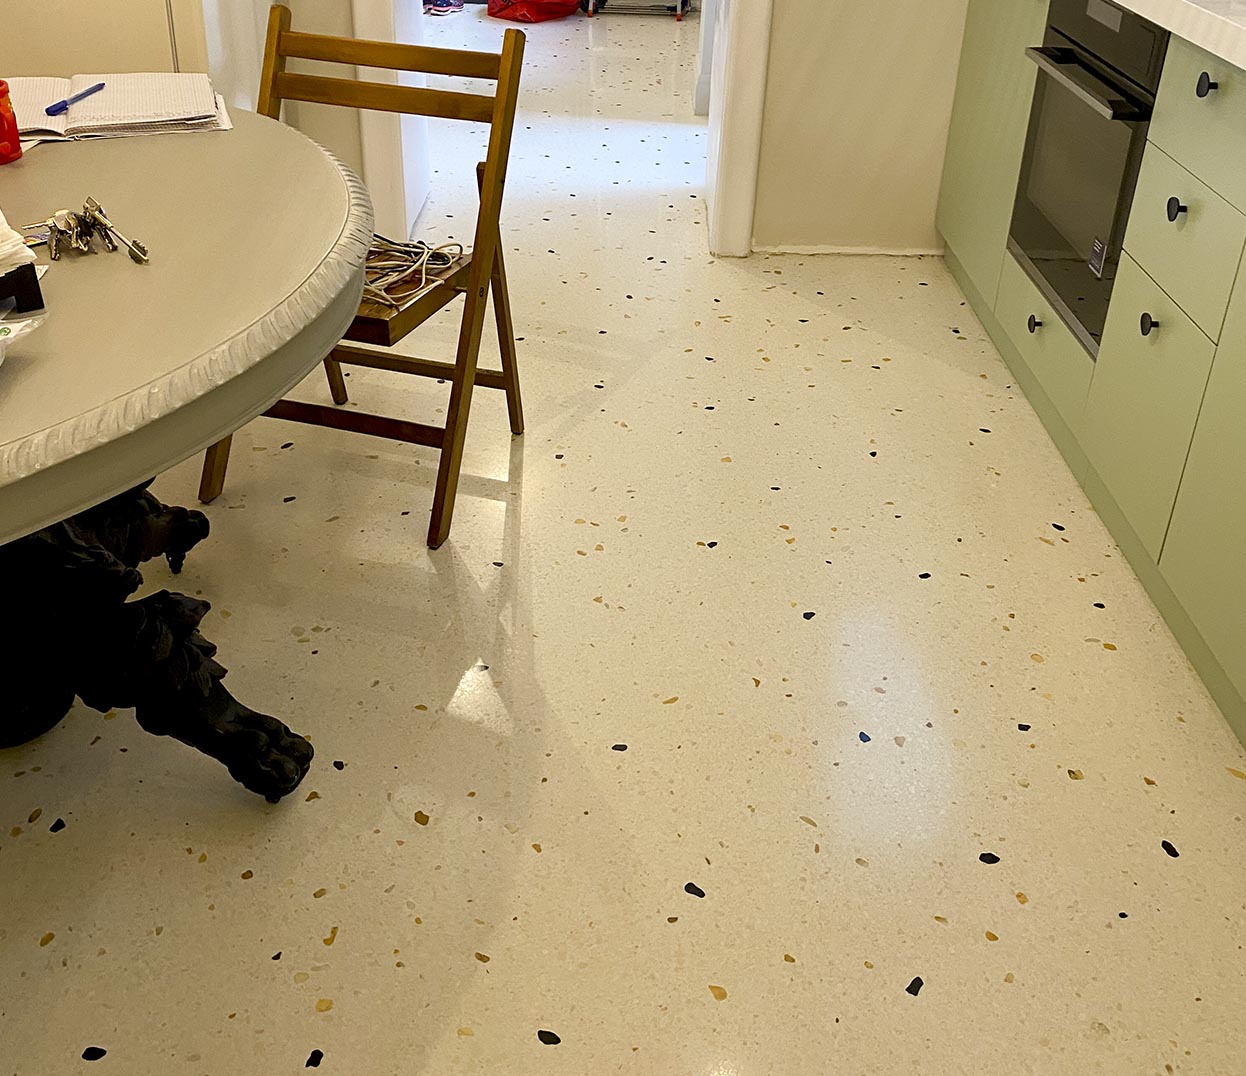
x: 456, y: 418
x: 506, y: 341
x: 215, y: 462
x: 337, y: 383
x: 506, y: 328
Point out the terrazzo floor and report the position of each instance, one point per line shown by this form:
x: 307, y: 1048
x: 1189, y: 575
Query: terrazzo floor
x: 777, y: 706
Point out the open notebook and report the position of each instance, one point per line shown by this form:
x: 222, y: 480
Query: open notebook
x: 148, y: 103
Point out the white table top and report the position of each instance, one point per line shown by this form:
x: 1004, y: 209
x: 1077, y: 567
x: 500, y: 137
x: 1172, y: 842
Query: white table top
x: 1219, y: 26
x: 257, y: 239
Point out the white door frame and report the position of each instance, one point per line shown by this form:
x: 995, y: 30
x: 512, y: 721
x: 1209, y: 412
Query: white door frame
x: 705, y: 58
x: 737, y: 102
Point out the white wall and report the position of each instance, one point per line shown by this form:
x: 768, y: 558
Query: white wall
x: 858, y: 101
x: 93, y: 37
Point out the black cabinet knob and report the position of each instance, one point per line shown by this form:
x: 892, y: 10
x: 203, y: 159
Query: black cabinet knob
x: 1175, y: 209
x: 1205, y: 85
x: 1149, y: 324
x: 1033, y: 324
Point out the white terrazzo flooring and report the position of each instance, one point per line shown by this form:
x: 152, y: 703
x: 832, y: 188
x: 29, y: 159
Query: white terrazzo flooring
x: 784, y: 596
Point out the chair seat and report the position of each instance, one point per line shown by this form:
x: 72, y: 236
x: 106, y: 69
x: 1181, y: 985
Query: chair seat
x: 386, y: 325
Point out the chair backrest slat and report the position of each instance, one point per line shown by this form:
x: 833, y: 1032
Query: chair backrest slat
x: 278, y: 22
x: 387, y: 54
x: 383, y: 97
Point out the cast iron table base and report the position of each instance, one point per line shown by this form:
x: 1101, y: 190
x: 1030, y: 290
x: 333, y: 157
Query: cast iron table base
x: 67, y: 629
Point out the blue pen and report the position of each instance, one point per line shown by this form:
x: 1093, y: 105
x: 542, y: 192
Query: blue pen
x: 63, y: 106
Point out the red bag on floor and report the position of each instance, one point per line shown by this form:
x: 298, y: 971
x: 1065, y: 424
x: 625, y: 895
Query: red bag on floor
x: 532, y: 10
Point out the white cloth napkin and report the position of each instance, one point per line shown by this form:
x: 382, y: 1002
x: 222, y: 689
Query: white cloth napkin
x: 13, y: 252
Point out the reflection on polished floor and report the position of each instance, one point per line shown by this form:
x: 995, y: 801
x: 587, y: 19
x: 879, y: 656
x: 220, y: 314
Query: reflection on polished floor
x: 778, y: 704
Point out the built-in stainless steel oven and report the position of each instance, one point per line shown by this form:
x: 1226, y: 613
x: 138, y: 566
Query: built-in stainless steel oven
x: 1098, y: 70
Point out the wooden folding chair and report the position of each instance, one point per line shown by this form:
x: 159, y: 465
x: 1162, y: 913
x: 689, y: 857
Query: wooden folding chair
x: 469, y: 275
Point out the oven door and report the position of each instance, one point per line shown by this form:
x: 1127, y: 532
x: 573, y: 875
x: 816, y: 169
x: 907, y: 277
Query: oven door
x: 1086, y: 137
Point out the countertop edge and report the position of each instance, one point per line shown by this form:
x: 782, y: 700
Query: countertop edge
x: 1188, y: 19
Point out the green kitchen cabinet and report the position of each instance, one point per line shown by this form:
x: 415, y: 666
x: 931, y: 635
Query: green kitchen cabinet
x: 1144, y: 400
x: 1155, y: 429
x: 1192, y: 253
x: 1200, y: 118
x: 1050, y: 351
x: 1203, y: 559
x: 987, y: 138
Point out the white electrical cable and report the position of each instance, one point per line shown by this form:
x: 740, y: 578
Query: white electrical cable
x: 392, y: 268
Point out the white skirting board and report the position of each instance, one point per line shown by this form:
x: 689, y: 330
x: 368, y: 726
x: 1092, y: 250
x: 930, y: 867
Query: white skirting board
x: 847, y: 250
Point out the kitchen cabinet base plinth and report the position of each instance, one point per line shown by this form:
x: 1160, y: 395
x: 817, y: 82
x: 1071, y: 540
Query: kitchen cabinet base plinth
x: 1057, y: 428
x: 1230, y: 701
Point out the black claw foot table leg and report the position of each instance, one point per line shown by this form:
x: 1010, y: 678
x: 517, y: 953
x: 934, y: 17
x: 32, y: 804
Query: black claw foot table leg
x: 69, y: 629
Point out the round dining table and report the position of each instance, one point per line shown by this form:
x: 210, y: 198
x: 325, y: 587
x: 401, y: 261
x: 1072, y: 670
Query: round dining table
x: 256, y: 240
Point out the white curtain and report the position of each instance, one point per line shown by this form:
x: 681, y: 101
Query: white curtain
x: 389, y: 152
x: 235, y: 32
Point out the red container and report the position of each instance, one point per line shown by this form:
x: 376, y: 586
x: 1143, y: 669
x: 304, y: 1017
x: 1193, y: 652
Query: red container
x: 532, y: 10
x: 10, y: 144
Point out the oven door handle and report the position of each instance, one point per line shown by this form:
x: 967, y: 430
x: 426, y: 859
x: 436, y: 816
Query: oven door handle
x: 1063, y: 66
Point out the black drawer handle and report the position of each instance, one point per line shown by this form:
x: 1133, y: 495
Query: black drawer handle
x: 1033, y: 324
x: 1205, y: 85
x: 1175, y: 209
x: 1148, y: 324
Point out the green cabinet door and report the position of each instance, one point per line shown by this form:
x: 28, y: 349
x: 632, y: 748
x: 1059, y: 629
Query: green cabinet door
x: 994, y: 91
x: 1060, y: 365
x: 1203, y: 558
x: 1202, y: 128
x: 1144, y: 400
x: 1194, y: 257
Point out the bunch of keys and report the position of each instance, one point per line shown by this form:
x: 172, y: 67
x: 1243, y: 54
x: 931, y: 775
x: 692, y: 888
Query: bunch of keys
x: 93, y: 212
x: 78, y: 229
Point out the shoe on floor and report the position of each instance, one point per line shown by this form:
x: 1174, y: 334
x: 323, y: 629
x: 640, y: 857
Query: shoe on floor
x: 442, y: 7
